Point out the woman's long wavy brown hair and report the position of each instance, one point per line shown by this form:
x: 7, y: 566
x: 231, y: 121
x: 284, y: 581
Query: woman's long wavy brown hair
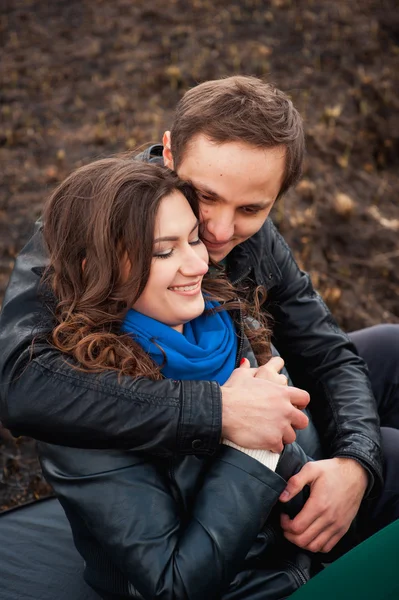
x: 100, y: 215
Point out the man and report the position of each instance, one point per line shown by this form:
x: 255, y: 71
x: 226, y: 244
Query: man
x: 240, y: 142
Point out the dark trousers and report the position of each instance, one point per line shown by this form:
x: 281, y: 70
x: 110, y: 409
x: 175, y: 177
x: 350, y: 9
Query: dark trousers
x: 379, y: 347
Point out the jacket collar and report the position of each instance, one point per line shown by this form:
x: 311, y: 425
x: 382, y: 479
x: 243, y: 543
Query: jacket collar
x: 254, y: 255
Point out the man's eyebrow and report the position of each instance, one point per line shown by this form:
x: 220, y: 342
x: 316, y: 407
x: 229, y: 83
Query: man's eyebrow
x: 204, y: 189
x: 174, y: 238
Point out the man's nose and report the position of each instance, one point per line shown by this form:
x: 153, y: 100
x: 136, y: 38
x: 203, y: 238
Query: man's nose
x: 220, y: 225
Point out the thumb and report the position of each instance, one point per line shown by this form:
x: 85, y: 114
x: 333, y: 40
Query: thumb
x: 296, y: 483
x: 245, y: 364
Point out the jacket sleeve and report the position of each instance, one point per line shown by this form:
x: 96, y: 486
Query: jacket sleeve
x: 43, y: 397
x: 322, y: 359
x: 129, y: 509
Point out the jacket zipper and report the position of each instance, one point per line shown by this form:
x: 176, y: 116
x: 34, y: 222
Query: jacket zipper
x: 297, y: 572
x: 239, y: 353
x: 241, y: 277
x: 238, y: 280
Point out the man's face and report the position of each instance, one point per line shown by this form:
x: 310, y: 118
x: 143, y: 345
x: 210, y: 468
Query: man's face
x: 237, y: 184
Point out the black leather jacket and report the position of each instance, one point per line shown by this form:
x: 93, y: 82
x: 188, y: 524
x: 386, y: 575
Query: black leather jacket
x: 41, y: 396
x: 181, y: 528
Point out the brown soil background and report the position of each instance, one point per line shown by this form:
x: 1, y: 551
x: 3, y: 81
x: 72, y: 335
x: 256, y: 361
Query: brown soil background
x: 84, y: 79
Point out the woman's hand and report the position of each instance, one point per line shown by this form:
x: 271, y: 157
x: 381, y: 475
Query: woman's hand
x: 270, y: 371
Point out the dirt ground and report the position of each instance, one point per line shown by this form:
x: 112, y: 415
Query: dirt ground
x: 80, y: 80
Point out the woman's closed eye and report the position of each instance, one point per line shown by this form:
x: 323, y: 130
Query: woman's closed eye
x: 196, y: 242
x: 167, y: 253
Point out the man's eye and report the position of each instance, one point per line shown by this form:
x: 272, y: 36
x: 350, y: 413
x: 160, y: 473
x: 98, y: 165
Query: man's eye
x: 250, y: 211
x: 206, y: 198
x: 195, y: 242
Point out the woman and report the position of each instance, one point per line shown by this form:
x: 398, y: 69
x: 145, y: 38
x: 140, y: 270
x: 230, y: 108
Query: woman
x: 125, y: 254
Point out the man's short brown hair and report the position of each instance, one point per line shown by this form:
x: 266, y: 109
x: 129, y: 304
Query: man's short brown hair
x: 240, y: 109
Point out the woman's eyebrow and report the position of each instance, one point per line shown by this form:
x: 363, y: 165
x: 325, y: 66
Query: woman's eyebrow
x: 174, y: 238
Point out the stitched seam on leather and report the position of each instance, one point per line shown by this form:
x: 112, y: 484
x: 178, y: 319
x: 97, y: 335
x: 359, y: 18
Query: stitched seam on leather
x: 356, y: 452
x: 369, y: 461
x: 349, y: 436
x: 213, y: 412
x: 329, y: 319
x: 359, y: 451
x: 282, y: 241
x: 357, y: 434
x: 353, y: 452
x: 331, y: 405
x: 180, y: 428
x: 102, y: 387
x: 60, y: 473
x: 217, y: 399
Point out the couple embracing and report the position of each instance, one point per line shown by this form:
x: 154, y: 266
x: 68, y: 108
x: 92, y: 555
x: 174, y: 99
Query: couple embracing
x: 183, y: 460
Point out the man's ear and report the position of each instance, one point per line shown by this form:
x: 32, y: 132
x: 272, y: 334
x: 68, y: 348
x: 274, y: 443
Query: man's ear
x: 167, y: 152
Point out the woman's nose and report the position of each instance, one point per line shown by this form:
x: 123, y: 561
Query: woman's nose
x: 194, y: 263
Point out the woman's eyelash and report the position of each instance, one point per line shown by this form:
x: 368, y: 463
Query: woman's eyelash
x: 163, y: 255
x: 193, y: 243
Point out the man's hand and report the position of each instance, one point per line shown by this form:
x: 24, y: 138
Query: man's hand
x: 259, y: 412
x: 337, y: 488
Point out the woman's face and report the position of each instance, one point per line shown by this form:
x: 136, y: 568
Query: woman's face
x: 180, y: 260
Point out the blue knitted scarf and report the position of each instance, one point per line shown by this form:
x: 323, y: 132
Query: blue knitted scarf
x: 206, y: 350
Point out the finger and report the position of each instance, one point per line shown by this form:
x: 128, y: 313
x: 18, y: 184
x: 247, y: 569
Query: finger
x: 278, y: 447
x: 314, y: 537
x: 276, y: 363
x: 327, y: 538
x: 298, y: 419
x: 289, y: 435
x: 307, y: 520
x: 332, y: 542
x: 244, y: 364
x: 281, y: 379
x: 296, y: 483
x: 272, y: 376
x: 299, y: 398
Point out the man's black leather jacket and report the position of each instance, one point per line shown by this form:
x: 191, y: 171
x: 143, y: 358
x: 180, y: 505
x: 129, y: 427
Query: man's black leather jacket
x: 43, y: 397
x: 181, y: 527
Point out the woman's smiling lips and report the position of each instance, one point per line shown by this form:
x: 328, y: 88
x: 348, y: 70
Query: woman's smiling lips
x: 189, y: 289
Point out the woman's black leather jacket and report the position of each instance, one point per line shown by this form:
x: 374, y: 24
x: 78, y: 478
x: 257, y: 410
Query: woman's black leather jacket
x: 182, y: 527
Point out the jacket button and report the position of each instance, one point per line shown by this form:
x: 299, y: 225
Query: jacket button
x: 197, y: 444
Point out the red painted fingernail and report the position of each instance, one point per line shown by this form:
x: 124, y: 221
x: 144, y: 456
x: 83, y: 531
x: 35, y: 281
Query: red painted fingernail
x: 242, y: 361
